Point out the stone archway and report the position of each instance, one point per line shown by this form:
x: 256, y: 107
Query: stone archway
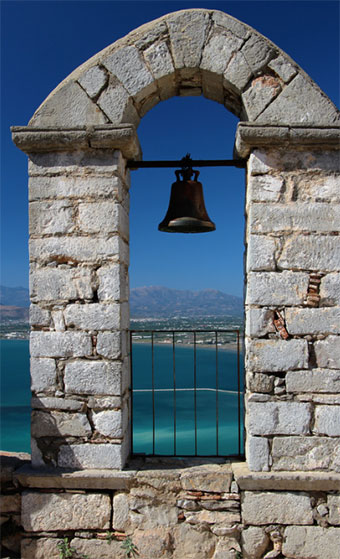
x: 78, y: 142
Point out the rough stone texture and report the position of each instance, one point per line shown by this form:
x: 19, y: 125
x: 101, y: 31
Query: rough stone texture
x: 259, y: 95
x: 316, y: 380
x: 103, y: 217
x: 60, y: 284
x: 128, y: 66
x: 40, y: 548
x: 273, y: 288
x: 187, y: 34
x: 276, y: 507
x: 320, y: 217
x: 313, y: 321
x: 259, y: 322
x: 82, y: 456
x: 111, y: 344
x: 257, y: 53
x: 99, y: 548
x: 330, y: 289
x: 113, y: 283
x: 306, y: 453
x: 201, y: 480
x: 257, y: 450
x: 110, y: 423
x: 218, y: 52
x: 39, y: 317
x: 238, y: 73
x: 265, y: 189
x: 319, y: 253
x: 328, y: 352
x: 159, y: 60
x: 59, y: 424
x: 65, y: 511
x: 57, y: 404
x: 93, y: 81
x: 283, y: 68
x: 254, y: 542
x: 43, y: 375
x: 327, y: 421
x: 117, y: 105
x: 260, y: 253
x: 93, y: 377
x: 191, y: 544
x: 76, y: 187
x: 276, y: 355
x: 60, y: 344
x: 46, y: 218
x: 312, y: 542
x: 278, y: 418
x: 93, y: 317
x: 333, y: 503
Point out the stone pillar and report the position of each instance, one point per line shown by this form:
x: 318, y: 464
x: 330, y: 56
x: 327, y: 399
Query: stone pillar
x: 292, y: 298
x: 79, y: 257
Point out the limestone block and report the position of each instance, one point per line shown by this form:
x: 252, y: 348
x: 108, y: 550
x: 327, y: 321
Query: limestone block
x: 191, y: 543
x: 159, y: 59
x: 218, y: 51
x: 328, y: 352
x: 280, y: 507
x: 43, y: 374
x: 105, y: 402
x: 207, y: 480
x: 315, y: 380
x: 231, y: 24
x: 79, y: 249
x: 276, y: 355
x: 312, y: 252
x: 300, y: 103
x: 93, y: 81
x: 327, y: 421
x: 260, y: 253
x: 94, y: 377
x: 60, y: 284
x: 237, y: 73
x: 71, y: 187
x: 261, y: 161
x: 153, y: 543
x: 60, y: 344
x: 313, y: 321
x: 187, y: 35
x: 257, y: 452
x: 167, y: 87
x: 320, y: 217
x: 65, y: 511
x: 10, y: 503
x: 212, y: 86
x: 264, y: 188
x: 260, y: 382
x: 117, y: 105
x: 110, y: 423
x: 103, y: 217
x: 322, y: 189
x: 278, y: 418
x: 259, y: 322
x: 83, y: 456
x: 68, y: 103
x: 254, y: 542
x: 257, y: 52
x: 75, y: 165
x: 113, y: 283
x: 98, y: 548
x: 46, y: 218
x: 283, y: 68
x: 259, y: 95
x: 57, y: 404
x: 40, y: 548
x: 39, y: 316
x: 121, y: 509
x: 311, y: 542
x: 330, y: 289
x: 305, y: 453
x: 59, y: 424
x: 276, y: 288
x: 333, y: 503
x: 127, y: 64
x: 95, y: 316
x: 58, y: 321
x: 111, y: 345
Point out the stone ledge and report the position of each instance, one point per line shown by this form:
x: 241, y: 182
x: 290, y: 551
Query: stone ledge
x: 283, y: 481
x: 122, y: 137
x: 250, y: 135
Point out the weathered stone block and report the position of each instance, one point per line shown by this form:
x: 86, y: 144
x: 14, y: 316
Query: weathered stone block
x: 219, y: 50
x: 330, y: 289
x: 111, y: 344
x: 201, y: 480
x: 159, y: 60
x: 57, y: 404
x: 106, y: 456
x: 46, y: 218
x: 93, y: 81
x: 278, y: 418
x: 59, y: 424
x: 43, y: 374
x: 320, y: 217
x: 117, y: 105
x: 113, y: 283
x: 121, y: 511
x: 327, y: 421
x: 111, y: 423
x: 257, y: 53
x: 333, y: 503
x: 60, y: 284
x: 276, y: 355
x: 95, y: 316
x: 98, y: 548
x: 313, y: 321
x: 127, y: 64
x: 261, y: 161
x: 65, y: 511
x: 73, y: 165
x: 60, y: 344
x: 192, y: 544
x: 187, y: 35
x: 305, y: 453
x: 10, y: 503
x: 94, y: 377
x: 40, y: 548
x: 77, y: 187
x: 39, y: 316
x: 321, y: 188
x: 259, y: 94
x: 311, y: 541
x: 260, y: 253
x: 237, y: 73
x: 259, y: 322
x: 103, y: 217
x: 328, y: 352
x: 257, y: 452
x: 264, y: 188
x: 316, y: 380
x: 231, y: 24
x: 105, y: 402
x: 279, y: 507
x: 260, y: 382
x: 254, y: 542
x: 283, y: 68
x: 276, y: 288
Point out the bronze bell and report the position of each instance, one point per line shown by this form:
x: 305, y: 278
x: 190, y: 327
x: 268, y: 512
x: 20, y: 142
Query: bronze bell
x: 186, y: 212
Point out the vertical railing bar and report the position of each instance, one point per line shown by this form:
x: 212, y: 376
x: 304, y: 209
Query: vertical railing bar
x: 174, y: 374
x: 195, y: 392
x: 238, y: 392
x: 153, y: 391
x: 131, y: 394
x: 216, y: 392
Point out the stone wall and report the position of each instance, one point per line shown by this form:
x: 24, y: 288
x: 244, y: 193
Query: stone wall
x: 293, y: 310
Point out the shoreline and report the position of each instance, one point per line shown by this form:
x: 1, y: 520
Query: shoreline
x: 232, y: 346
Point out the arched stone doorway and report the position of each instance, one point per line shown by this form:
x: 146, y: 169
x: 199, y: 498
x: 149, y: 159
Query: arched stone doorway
x: 78, y: 142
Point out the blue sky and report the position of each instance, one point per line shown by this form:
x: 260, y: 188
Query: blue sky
x: 43, y: 41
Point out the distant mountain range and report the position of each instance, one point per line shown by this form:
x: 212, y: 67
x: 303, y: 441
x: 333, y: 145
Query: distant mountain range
x: 152, y: 302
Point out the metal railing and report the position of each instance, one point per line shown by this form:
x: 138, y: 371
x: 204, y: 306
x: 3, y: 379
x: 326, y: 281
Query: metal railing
x: 147, y: 387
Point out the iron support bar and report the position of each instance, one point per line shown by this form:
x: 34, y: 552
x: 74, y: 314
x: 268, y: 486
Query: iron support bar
x: 194, y: 162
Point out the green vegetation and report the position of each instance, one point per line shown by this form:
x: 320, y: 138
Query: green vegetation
x: 68, y: 552
x: 129, y: 547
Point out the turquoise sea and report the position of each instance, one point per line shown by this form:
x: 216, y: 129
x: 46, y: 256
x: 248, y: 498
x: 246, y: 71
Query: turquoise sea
x: 15, y: 399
